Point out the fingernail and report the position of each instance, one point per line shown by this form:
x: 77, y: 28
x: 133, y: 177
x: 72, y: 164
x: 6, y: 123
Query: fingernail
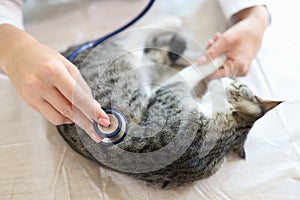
x: 202, y: 59
x: 100, y: 111
x: 96, y: 137
x: 104, y: 122
x: 104, y: 115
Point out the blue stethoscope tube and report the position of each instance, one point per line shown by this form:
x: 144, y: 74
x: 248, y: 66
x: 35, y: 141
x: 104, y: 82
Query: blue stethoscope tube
x: 116, y: 136
x: 119, y: 30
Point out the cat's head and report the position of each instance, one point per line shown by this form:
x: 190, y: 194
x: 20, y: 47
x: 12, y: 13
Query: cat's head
x: 165, y: 48
x: 247, y: 108
x: 246, y: 105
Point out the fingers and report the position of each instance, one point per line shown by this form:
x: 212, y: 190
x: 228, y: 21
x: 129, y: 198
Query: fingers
x: 86, y: 123
x: 216, y: 75
x: 219, y: 47
x: 99, y: 113
x: 74, y: 72
x: 228, y: 70
x: 70, y: 100
x: 53, y: 86
x: 212, y: 41
x: 209, y: 43
x: 59, y: 110
x: 77, y: 92
x: 222, y: 44
x: 215, y: 48
x: 217, y: 36
x: 52, y: 114
x: 60, y: 103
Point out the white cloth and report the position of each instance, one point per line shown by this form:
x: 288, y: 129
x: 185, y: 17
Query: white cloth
x: 11, y: 12
x: 229, y: 7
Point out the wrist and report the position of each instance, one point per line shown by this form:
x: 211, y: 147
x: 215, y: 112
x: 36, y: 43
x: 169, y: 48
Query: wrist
x: 254, y: 20
x: 12, y: 40
x: 258, y: 13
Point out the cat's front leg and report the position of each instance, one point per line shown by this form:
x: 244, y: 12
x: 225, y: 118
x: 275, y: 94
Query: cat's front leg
x: 195, y: 73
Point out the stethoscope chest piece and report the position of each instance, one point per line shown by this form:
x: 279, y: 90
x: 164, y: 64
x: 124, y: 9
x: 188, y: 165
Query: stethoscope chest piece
x: 116, y: 131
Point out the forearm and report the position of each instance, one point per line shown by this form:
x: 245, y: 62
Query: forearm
x: 11, y: 26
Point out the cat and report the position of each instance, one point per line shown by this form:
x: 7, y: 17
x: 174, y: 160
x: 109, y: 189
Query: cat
x: 171, y: 139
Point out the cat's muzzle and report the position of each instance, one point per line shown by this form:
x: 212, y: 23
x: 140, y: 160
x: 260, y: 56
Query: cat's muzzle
x: 116, y: 131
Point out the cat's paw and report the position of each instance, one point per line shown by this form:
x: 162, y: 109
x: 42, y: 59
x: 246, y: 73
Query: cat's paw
x: 165, y: 48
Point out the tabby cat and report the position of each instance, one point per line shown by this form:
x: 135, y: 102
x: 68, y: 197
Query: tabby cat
x: 172, y: 139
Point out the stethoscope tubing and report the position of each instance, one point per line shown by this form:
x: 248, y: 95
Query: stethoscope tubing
x: 114, y: 137
x: 103, y: 38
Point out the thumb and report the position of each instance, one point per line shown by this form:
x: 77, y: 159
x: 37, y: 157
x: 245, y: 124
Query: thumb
x: 215, y: 50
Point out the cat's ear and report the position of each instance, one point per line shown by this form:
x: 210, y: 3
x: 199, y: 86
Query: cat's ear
x: 267, y: 105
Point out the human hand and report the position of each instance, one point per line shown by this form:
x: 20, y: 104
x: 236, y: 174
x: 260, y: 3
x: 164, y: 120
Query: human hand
x: 48, y: 82
x: 240, y: 43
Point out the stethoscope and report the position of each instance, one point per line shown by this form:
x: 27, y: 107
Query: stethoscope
x: 118, y: 127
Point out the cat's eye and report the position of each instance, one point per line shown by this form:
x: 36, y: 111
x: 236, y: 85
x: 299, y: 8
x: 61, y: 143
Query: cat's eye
x: 246, y: 91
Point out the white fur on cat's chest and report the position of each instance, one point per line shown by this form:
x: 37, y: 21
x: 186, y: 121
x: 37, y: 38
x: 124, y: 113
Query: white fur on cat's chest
x: 215, y: 99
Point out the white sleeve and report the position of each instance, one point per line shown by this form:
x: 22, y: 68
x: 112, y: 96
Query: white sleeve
x: 11, y: 11
x: 230, y: 7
